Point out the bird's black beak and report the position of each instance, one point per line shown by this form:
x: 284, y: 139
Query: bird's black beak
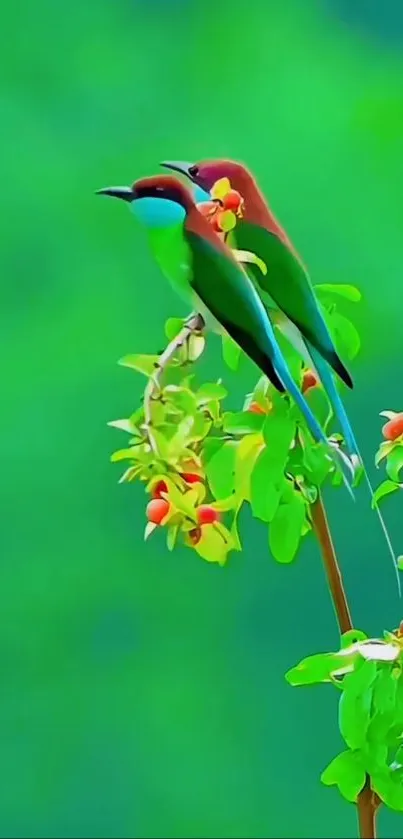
x: 178, y: 166
x: 124, y: 192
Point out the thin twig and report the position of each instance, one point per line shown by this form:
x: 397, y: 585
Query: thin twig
x: 194, y: 324
x: 366, y: 804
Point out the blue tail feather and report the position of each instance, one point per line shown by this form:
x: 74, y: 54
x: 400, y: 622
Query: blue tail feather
x: 327, y: 378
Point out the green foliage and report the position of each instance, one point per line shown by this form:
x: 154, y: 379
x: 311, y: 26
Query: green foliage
x: 390, y: 452
x: 368, y: 673
x: 261, y: 454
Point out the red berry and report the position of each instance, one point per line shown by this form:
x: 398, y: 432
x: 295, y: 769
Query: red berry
x: 195, y: 535
x: 157, y: 509
x: 232, y: 200
x: 159, y: 488
x: 309, y: 380
x: 394, y: 428
x: 255, y: 408
x: 191, y: 478
x: 206, y: 514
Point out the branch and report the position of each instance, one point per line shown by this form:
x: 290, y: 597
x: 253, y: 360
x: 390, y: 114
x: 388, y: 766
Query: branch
x: 152, y: 393
x: 366, y: 804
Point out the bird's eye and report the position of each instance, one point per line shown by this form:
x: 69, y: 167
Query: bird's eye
x: 193, y: 171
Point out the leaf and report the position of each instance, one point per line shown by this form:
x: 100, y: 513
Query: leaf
x: 347, y: 772
x: 346, y: 333
x: 286, y: 529
x: 314, y: 670
x: 383, y: 451
x: 195, y: 347
x: 400, y: 563
x: 172, y: 533
x: 210, y: 393
x: 246, y: 454
x: 162, y: 444
x: 215, y: 544
x: 227, y: 221
x: 124, y: 425
x: 319, y: 405
x: 220, y: 189
x: 220, y: 470
x: 355, y: 703
x: 146, y: 364
x: 388, y: 414
x: 349, y: 292
x: 130, y: 474
x: 248, y: 258
x: 182, y: 398
x: 384, y: 488
x: 149, y: 529
x: 278, y: 432
x: 394, y: 463
x: 389, y: 787
x: 242, y: 422
x: 265, y: 492
x: 123, y: 454
x: 384, y: 691
x: 231, y: 352
x: 173, y: 327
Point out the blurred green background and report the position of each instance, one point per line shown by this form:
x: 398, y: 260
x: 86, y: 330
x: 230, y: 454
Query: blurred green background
x: 142, y: 693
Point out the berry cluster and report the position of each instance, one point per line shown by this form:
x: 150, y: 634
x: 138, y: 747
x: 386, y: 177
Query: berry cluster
x: 224, y: 208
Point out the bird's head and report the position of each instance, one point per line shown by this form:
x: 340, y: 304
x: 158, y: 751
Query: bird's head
x: 157, y: 201
x: 205, y: 173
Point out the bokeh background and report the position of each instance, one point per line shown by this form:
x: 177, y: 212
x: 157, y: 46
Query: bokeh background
x: 142, y: 693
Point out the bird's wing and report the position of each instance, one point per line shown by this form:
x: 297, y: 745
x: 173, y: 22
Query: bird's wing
x: 289, y: 286
x: 232, y: 299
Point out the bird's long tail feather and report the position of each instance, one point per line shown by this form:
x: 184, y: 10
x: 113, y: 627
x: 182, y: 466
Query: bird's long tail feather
x: 328, y: 381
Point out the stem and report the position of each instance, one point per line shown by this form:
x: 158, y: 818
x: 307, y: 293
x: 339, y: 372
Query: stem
x: 366, y: 803
x: 194, y: 324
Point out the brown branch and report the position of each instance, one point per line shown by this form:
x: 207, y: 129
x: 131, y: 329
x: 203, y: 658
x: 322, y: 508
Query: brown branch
x: 366, y: 804
x: 194, y: 324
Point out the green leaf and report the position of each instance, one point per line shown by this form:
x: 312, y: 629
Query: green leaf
x: 220, y: 470
x: 394, y: 463
x: 349, y: 292
x: 346, y: 334
x: 384, y: 488
x: 124, y: 454
x: 247, y: 451
x: 347, y: 772
x: 286, y: 529
x: 279, y: 432
x: 130, y: 474
x: 319, y: 405
x: 146, y: 364
x: 195, y: 347
x: 231, y: 352
x: 124, y: 425
x: 210, y: 392
x: 242, y: 422
x: 314, y: 669
x: 316, y: 461
x: 389, y: 786
x: 265, y: 493
x: 181, y: 397
x: 355, y: 703
x: 215, y: 544
x: 172, y: 533
x: 383, y: 451
x: 173, y: 327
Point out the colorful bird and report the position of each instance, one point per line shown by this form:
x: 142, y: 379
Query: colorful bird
x: 206, y: 274
x: 285, y: 288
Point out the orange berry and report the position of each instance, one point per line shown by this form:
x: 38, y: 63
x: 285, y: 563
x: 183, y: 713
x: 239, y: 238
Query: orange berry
x: 191, y: 478
x: 232, y: 200
x: 157, y: 509
x: 394, y: 428
x: 255, y: 408
x: 309, y: 380
x: 158, y: 489
x: 207, y: 514
x: 215, y: 222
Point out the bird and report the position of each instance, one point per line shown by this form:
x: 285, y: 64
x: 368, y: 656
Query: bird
x: 206, y: 274
x: 286, y: 289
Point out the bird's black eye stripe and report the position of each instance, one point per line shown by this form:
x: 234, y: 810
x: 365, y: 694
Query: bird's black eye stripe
x: 193, y: 171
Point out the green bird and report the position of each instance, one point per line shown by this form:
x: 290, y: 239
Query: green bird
x: 208, y: 277
x: 285, y: 288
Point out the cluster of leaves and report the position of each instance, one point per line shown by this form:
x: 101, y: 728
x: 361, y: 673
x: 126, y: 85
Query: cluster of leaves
x: 369, y: 675
x: 262, y: 455
x: 391, y: 453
